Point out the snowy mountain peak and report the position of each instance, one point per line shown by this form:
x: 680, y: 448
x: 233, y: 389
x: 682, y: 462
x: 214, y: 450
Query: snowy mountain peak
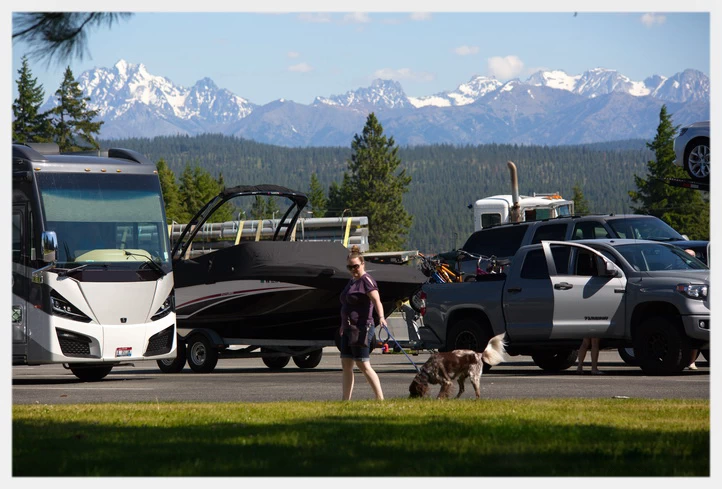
x: 381, y: 94
x: 466, y: 93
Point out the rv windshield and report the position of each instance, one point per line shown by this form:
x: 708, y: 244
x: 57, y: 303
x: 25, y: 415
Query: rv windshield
x: 107, y: 218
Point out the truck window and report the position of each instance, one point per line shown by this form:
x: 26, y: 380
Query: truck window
x: 586, y: 264
x: 561, y: 259
x: 488, y: 220
x: 500, y: 242
x: 535, y: 266
x: 589, y: 230
x: 555, y: 232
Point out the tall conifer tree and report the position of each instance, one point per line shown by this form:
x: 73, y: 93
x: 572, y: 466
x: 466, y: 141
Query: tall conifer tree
x: 581, y: 205
x: 317, y: 198
x: 29, y: 124
x: 73, y: 120
x: 377, y: 187
x: 684, y: 209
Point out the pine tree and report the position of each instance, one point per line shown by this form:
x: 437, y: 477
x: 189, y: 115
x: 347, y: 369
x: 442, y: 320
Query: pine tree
x: 377, y: 187
x: 73, y: 121
x: 684, y: 209
x: 171, y: 194
x: 316, y: 197
x: 581, y: 205
x: 258, y: 208
x: 339, y: 197
x: 29, y: 124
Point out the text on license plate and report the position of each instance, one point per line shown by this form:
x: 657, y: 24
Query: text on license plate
x: 125, y: 351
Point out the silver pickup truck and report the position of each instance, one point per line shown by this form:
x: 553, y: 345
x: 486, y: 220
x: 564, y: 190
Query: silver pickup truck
x: 649, y: 296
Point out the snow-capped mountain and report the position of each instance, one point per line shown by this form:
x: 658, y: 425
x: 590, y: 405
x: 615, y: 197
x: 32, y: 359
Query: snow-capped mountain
x: 382, y: 94
x: 550, y: 107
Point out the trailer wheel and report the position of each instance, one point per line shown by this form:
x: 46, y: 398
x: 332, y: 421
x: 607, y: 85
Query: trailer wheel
x: 90, y: 374
x: 660, y: 347
x: 201, y: 355
x: 274, y: 363
x: 626, y: 353
x: 309, y: 360
x: 555, y: 360
x: 174, y: 365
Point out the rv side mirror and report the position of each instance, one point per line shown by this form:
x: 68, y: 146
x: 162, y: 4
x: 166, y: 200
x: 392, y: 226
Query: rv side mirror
x: 49, y: 242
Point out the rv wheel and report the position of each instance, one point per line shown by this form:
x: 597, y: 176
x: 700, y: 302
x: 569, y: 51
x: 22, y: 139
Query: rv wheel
x: 174, y: 365
x: 202, y: 356
x: 90, y: 374
x: 309, y: 360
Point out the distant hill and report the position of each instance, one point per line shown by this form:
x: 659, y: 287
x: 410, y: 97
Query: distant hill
x: 445, y: 178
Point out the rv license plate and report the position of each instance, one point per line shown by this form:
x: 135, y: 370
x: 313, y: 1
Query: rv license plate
x: 124, y: 351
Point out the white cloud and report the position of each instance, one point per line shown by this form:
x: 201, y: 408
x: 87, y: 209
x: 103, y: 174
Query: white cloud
x: 420, y: 16
x: 357, y: 18
x: 301, y: 68
x: 315, y: 18
x: 650, y: 19
x: 402, y: 74
x: 293, y: 54
x: 505, y: 68
x: 466, y: 50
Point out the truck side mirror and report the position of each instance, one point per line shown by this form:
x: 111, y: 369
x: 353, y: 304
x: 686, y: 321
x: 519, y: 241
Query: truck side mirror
x: 610, y: 270
x: 49, y: 244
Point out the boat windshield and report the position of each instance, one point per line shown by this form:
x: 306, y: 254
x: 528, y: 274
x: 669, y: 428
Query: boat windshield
x: 116, y: 219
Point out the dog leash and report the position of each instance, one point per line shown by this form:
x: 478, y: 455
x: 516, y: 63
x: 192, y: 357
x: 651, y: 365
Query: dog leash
x: 400, y: 348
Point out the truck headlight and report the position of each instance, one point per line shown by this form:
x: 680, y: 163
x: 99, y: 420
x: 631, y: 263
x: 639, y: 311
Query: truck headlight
x: 166, y: 308
x: 693, y: 291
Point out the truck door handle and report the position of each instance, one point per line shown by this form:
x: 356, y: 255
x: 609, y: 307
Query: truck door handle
x: 619, y: 291
x: 514, y: 290
x: 563, y: 286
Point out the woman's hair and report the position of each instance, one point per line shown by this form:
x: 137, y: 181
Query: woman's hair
x: 356, y: 253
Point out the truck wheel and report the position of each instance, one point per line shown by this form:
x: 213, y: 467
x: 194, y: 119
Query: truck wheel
x: 274, y: 363
x: 468, y: 334
x: 90, y: 374
x: 626, y: 353
x: 202, y: 356
x: 555, y: 360
x: 660, y: 347
x: 174, y: 365
x: 309, y: 360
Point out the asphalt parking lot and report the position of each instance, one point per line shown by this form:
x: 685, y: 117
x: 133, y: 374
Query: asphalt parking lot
x: 249, y: 380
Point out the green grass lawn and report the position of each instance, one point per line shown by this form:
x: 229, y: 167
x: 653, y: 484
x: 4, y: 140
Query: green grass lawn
x: 519, y: 437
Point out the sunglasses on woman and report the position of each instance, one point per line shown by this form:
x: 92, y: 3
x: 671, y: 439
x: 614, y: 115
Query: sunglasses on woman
x: 353, y: 267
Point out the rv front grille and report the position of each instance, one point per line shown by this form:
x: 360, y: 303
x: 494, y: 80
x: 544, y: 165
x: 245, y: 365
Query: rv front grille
x: 73, y: 344
x: 160, y: 343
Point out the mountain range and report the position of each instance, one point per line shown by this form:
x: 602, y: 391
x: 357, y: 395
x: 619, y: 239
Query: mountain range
x: 549, y: 108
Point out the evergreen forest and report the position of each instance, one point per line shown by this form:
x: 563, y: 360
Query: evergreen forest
x: 445, y: 179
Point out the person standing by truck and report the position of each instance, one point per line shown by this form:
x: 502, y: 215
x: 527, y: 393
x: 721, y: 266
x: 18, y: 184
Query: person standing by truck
x: 586, y: 343
x: 358, y: 300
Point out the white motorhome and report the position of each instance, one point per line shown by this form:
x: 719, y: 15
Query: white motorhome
x: 497, y: 209
x: 92, y: 279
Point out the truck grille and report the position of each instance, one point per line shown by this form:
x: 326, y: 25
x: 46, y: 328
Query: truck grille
x: 160, y: 343
x: 73, y: 344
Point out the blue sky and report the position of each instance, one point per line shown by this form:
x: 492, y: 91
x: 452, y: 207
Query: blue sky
x: 298, y: 56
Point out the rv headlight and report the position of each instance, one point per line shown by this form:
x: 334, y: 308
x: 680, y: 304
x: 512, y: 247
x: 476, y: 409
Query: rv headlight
x: 166, y: 308
x: 60, y: 306
x: 693, y: 291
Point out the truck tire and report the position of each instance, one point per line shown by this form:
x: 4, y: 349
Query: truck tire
x: 90, y: 374
x: 309, y: 360
x: 274, y: 363
x: 626, y: 353
x: 555, y: 360
x: 468, y: 334
x: 201, y: 354
x: 174, y: 365
x: 661, y: 348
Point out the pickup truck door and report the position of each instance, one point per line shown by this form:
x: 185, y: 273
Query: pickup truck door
x: 588, y: 296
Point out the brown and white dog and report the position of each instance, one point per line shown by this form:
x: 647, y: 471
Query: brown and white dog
x: 443, y: 368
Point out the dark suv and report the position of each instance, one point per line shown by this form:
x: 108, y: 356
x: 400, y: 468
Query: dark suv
x: 504, y: 240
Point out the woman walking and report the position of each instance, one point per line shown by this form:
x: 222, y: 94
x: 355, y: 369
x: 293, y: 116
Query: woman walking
x: 358, y: 300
